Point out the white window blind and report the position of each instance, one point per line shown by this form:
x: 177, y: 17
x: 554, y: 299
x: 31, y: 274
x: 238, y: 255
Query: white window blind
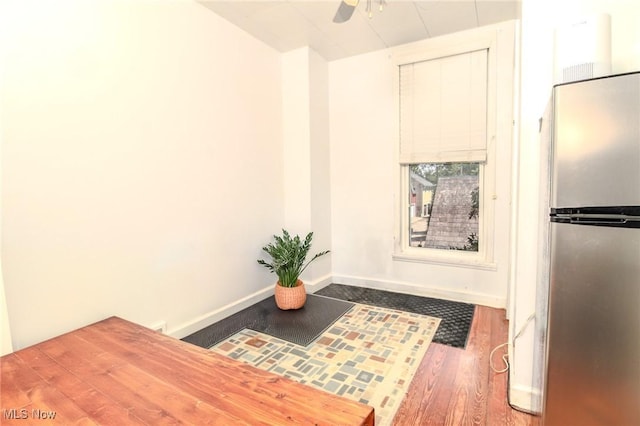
x: 443, y: 109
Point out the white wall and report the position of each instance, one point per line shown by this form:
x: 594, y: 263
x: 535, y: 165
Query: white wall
x: 6, y: 345
x: 296, y: 140
x: 306, y: 157
x: 363, y: 142
x: 539, y: 20
x: 142, y: 164
x: 321, y: 270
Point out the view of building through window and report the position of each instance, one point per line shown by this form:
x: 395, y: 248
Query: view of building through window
x: 444, y: 205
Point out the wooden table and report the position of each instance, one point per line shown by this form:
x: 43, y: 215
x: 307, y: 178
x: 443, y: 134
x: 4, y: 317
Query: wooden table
x: 116, y: 372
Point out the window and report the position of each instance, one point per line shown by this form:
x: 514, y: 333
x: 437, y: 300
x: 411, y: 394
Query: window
x: 444, y: 205
x: 443, y: 109
x: 450, y: 139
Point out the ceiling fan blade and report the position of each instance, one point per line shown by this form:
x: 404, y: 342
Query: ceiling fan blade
x: 345, y: 11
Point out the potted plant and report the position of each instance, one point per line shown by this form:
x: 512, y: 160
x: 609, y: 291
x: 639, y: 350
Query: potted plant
x: 288, y: 262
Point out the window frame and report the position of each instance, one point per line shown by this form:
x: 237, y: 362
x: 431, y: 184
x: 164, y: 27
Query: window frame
x: 475, y: 259
x: 406, y: 226
x: 402, y: 250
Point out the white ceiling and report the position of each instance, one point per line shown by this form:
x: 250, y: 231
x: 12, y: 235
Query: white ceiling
x: 290, y: 24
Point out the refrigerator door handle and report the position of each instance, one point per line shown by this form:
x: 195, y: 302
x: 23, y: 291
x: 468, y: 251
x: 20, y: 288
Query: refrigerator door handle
x: 582, y: 220
x: 598, y: 220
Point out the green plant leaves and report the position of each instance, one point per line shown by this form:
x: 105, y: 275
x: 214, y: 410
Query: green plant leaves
x: 288, y: 257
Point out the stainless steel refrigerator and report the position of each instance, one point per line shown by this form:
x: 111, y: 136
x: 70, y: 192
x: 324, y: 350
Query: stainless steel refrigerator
x: 593, y: 329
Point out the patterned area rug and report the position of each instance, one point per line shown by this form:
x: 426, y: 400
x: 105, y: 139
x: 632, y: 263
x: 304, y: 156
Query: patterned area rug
x: 456, y: 316
x: 369, y: 355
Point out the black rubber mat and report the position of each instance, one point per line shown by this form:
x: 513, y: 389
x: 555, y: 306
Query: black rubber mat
x: 301, y: 326
x: 455, y: 317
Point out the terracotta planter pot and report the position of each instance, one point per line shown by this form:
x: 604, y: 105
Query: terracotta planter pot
x: 290, y: 297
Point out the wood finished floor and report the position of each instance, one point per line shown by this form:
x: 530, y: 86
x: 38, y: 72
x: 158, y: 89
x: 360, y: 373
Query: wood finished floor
x: 457, y: 386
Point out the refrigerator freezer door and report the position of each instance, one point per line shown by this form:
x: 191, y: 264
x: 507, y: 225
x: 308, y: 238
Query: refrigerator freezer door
x: 596, y: 151
x: 593, y: 360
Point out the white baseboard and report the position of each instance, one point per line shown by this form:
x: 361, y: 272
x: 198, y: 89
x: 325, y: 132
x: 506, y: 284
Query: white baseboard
x: 525, y: 398
x: 409, y: 288
x: 319, y: 283
x: 216, y: 315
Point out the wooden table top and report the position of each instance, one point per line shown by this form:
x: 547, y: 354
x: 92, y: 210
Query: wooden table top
x: 116, y: 372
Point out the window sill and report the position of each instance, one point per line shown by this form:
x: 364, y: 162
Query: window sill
x: 448, y: 260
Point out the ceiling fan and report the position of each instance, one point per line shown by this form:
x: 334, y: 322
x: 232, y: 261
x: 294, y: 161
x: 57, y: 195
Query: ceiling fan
x: 346, y: 8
